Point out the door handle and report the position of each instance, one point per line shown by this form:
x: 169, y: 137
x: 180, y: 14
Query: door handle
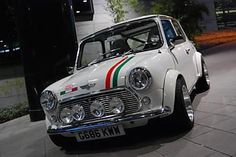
x: 187, y: 51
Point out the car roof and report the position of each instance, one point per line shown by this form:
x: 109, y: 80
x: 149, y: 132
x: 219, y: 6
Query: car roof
x: 126, y: 22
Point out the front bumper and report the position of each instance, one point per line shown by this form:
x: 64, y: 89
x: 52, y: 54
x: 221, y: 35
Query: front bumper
x: 112, y: 121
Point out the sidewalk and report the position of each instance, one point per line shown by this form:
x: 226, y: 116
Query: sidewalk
x: 21, y: 138
x: 214, y: 133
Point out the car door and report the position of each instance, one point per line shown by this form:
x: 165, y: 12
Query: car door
x: 182, y: 51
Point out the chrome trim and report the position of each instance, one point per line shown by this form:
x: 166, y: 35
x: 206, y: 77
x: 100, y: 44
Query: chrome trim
x: 47, y: 92
x: 193, y: 87
x: 206, y: 74
x: 146, y: 72
x: 163, y: 112
x: 131, y: 106
x: 188, y: 103
x: 103, y: 91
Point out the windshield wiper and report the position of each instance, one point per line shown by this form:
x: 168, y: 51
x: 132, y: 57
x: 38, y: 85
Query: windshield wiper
x: 95, y: 61
x: 101, y: 56
x: 82, y: 67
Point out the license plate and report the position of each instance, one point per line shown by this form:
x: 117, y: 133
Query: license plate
x: 100, y: 133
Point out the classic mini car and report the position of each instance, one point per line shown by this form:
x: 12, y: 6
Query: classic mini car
x: 124, y: 76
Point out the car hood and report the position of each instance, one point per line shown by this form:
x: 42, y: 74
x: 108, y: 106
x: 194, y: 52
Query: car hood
x: 101, y: 76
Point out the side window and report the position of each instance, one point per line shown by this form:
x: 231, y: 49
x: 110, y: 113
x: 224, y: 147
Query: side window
x: 173, y: 31
x: 91, y: 51
x: 168, y: 30
x: 179, y: 31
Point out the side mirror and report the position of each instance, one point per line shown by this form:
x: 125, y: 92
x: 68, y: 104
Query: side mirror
x: 179, y: 37
x: 70, y: 70
x: 175, y: 40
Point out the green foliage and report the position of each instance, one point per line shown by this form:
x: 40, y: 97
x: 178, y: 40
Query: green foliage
x: 191, y: 16
x: 188, y: 12
x: 13, y: 112
x: 116, y: 9
x: 162, y: 7
x: 138, y: 6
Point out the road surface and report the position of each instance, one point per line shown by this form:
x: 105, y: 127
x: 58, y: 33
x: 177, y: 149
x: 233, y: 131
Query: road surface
x: 214, y: 133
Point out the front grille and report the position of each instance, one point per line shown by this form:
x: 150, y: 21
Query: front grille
x: 129, y: 99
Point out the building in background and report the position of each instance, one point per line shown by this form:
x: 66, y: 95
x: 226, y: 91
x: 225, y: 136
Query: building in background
x: 209, y: 22
x: 225, y: 13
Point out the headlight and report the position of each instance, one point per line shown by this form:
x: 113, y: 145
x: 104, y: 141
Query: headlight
x: 140, y: 78
x: 48, y: 100
x: 66, y: 115
x: 79, y: 112
x: 97, y: 109
x: 116, y: 105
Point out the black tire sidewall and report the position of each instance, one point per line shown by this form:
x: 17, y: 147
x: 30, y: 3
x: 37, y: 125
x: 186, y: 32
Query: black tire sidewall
x: 180, y: 115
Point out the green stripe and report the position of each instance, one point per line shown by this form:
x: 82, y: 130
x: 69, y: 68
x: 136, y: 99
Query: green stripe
x: 63, y: 92
x: 116, y: 74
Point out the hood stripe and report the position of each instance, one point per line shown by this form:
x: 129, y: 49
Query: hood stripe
x: 109, y: 73
x: 116, y: 74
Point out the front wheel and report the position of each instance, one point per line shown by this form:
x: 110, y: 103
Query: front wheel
x: 183, y: 115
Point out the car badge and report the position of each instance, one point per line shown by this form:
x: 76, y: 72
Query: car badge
x: 88, y: 86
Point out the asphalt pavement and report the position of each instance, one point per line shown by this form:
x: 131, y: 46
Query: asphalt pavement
x: 214, y: 133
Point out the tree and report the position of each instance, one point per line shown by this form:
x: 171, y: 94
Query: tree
x: 116, y: 9
x: 188, y: 12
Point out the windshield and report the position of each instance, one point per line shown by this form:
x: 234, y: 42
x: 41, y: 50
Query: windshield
x: 120, y: 40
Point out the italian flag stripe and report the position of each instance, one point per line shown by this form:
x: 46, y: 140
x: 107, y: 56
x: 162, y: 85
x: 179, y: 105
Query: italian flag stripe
x: 73, y: 89
x: 63, y: 92
x: 116, y: 74
x: 109, y: 73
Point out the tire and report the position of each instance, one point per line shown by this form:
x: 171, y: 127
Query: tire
x: 183, y: 115
x: 64, y: 142
x: 203, y: 83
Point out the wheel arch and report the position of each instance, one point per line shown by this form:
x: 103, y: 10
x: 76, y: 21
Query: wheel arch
x: 199, y: 58
x: 170, y: 87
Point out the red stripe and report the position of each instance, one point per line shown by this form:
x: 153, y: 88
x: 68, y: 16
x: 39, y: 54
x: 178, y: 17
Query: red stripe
x: 108, y: 77
x: 74, y: 89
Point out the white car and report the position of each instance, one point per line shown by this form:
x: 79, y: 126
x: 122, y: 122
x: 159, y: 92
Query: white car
x: 124, y: 76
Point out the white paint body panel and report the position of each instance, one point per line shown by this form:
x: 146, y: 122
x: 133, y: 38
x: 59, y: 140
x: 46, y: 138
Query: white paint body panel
x: 161, y: 63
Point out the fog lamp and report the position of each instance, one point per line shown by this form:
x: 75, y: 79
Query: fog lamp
x: 79, y: 112
x: 116, y: 105
x: 97, y: 109
x: 66, y: 115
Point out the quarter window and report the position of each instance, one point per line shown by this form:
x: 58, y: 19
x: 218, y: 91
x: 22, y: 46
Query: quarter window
x: 173, y: 31
x: 168, y: 30
x: 178, y: 29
